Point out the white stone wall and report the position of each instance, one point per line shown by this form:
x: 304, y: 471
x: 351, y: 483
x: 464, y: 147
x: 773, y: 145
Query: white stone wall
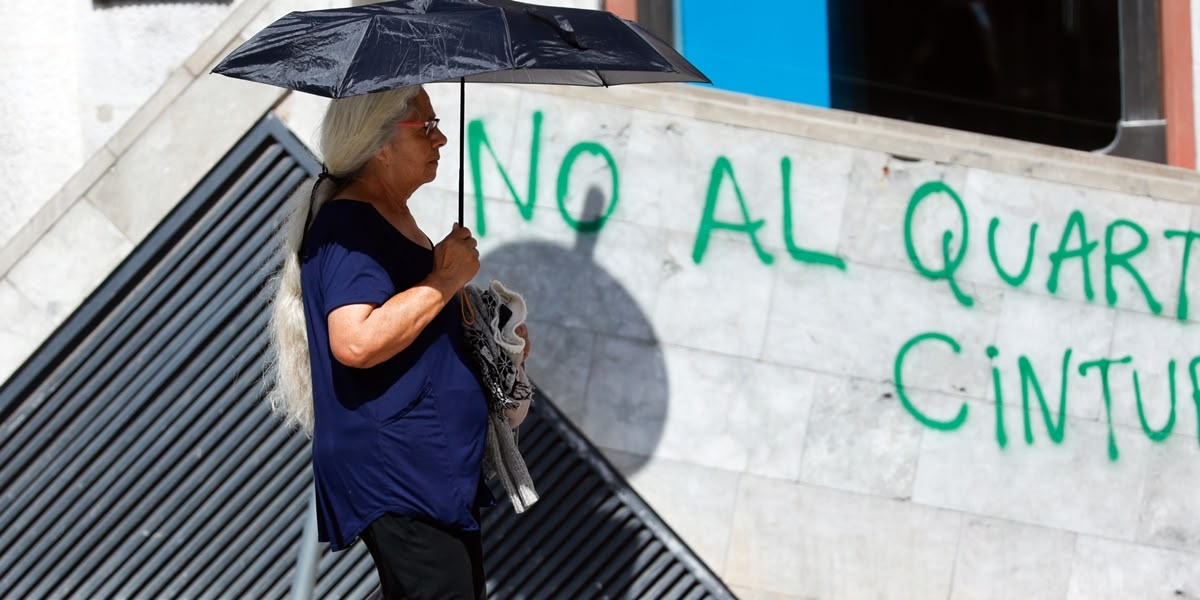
x: 747, y: 384
x: 71, y: 74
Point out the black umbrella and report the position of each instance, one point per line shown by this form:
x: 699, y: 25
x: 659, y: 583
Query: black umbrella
x: 350, y: 51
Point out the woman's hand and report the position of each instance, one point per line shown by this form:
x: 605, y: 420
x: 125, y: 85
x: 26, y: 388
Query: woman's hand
x: 456, y: 258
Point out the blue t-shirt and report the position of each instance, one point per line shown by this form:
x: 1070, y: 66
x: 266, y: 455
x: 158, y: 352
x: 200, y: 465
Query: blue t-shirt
x: 405, y: 436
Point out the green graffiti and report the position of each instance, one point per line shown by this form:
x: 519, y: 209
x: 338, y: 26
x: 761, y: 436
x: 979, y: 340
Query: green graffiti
x: 1195, y: 391
x: 798, y: 253
x: 898, y: 380
x: 564, y: 180
x: 1001, y: 435
x: 1113, y: 260
x: 1029, y: 381
x: 950, y: 264
x: 722, y: 169
x: 1074, y: 243
x: 1161, y: 434
x: 1055, y: 419
x: 477, y: 140
x: 1075, y: 222
x: 1103, y: 364
x: 1181, y: 311
x: 1017, y: 280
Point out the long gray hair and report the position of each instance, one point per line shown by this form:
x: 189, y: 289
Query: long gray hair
x: 354, y: 129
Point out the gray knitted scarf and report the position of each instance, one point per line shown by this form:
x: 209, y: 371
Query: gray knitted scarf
x: 490, y: 320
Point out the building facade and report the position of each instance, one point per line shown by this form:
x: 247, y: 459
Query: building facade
x: 841, y: 355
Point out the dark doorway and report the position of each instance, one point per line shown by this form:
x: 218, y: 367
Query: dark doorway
x: 1044, y: 71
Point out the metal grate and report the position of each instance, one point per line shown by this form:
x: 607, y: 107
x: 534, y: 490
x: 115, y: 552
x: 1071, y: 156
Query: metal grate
x: 137, y: 458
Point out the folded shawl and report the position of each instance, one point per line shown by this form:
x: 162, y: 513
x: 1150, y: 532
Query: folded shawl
x: 489, y: 325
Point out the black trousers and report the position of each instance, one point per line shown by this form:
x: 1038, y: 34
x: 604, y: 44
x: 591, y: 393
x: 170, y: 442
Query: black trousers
x: 419, y: 560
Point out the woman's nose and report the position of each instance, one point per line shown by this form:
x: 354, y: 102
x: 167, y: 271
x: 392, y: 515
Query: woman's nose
x: 439, y: 138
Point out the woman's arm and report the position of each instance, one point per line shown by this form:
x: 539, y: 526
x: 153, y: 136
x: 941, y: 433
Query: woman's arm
x: 362, y: 335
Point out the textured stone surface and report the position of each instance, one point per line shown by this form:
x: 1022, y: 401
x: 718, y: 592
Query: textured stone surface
x: 815, y: 543
x: 75, y: 255
x: 13, y: 249
x: 745, y: 593
x: 669, y: 196
x: 42, y: 139
x: 129, y: 53
x: 167, y: 160
x: 998, y: 560
x: 1168, y: 510
x: 718, y: 305
x: 1018, y: 203
x: 734, y: 414
x: 637, y: 260
x: 149, y: 111
x: 1153, y: 343
x: 860, y: 439
x: 1041, y: 330
x: 1040, y: 484
x: 779, y: 402
x: 560, y: 361
x: 627, y: 396
x: 22, y: 329
x: 855, y: 323
x: 1112, y: 570
x: 879, y: 193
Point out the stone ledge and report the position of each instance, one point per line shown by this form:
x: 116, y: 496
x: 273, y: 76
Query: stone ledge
x: 148, y: 113
x: 223, y: 39
x: 55, y: 208
x: 175, y: 153
x: 901, y: 138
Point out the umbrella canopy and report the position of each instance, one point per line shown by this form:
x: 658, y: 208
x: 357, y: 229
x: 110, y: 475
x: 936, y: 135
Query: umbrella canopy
x: 376, y: 47
x: 359, y: 50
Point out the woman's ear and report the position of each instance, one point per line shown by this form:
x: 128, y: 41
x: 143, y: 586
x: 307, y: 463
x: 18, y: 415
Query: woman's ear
x: 383, y: 157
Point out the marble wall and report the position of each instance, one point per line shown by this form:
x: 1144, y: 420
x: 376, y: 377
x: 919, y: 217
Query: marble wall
x: 821, y: 362
x: 72, y: 73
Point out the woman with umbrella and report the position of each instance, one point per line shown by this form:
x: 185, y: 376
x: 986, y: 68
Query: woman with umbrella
x: 369, y: 352
x: 370, y: 355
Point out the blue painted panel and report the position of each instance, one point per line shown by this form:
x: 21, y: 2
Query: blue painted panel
x: 773, y: 48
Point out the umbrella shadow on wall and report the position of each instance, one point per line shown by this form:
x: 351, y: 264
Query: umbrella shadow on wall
x: 595, y: 353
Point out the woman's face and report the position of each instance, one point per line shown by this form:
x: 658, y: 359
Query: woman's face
x: 412, y: 156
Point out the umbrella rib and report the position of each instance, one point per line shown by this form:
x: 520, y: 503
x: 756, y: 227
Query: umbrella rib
x: 512, y: 62
x: 357, y: 51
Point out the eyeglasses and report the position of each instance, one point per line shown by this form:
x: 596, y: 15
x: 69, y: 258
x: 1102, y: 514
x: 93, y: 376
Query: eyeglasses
x: 429, y: 125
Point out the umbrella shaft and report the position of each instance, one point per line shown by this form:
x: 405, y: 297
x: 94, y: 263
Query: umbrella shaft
x: 462, y: 141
